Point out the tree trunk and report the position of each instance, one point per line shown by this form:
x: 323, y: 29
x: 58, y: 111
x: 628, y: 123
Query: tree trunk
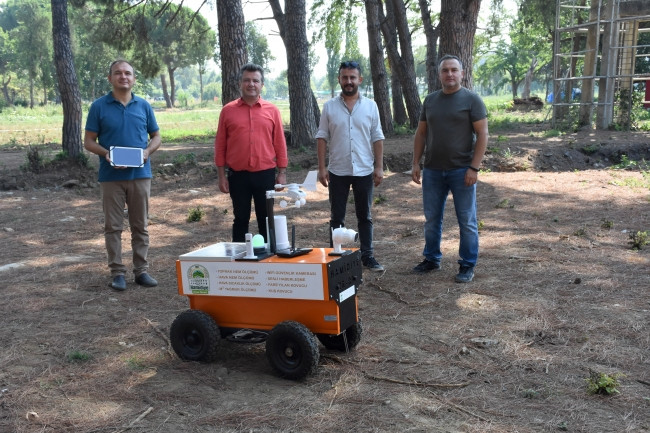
x: 172, y: 85
x: 303, y: 126
x: 315, y: 107
x: 528, y: 79
x: 458, y: 20
x: 232, y: 47
x: 31, y: 92
x: 304, y: 111
x: 431, y: 33
x: 402, y: 65
x: 399, y: 111
x: 201, y: 85
x: 377, y: 66
x: 5, y: 92
x: 163, y: 84
x: 67, y: 79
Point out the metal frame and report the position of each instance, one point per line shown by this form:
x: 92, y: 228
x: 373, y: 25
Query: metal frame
x: 589, y: 33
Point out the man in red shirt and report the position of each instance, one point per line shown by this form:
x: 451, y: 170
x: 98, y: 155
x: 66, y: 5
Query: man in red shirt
x: 250, y: 144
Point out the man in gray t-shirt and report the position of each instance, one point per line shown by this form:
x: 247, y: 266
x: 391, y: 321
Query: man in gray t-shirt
x: 452, y: 135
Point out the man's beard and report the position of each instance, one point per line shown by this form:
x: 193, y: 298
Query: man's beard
x: 351, y: 92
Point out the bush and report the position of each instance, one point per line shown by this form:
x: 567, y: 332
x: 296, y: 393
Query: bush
x: 34, y: 161
x: 195, y: 214
x: 601, y: 383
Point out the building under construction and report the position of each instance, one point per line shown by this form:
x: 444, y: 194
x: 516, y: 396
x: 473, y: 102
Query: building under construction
x: 601, y: 62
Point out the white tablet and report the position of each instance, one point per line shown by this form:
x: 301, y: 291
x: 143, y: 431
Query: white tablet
x: 126, y: 156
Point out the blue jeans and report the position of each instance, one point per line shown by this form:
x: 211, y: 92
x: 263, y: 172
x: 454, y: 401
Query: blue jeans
x: 362, y: 189
x: 436, y: 185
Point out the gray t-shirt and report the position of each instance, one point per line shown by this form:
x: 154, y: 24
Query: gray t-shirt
x: 450, y: 133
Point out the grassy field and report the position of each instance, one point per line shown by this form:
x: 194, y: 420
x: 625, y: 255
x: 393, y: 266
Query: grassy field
x: 23, y: 126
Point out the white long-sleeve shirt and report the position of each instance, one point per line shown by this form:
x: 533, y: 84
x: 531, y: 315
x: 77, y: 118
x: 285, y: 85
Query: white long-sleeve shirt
x: 350, y: 135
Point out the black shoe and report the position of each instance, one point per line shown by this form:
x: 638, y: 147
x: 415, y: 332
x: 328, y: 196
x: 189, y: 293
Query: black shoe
x: 426, y: 266
x: 118, y: 283
x: 372, y: 264
x: 145, y: 280
x: 465, y: 274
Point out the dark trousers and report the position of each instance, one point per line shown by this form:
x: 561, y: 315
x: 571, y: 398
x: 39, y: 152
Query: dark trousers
x: 244, y: 186
x: 362, y: 189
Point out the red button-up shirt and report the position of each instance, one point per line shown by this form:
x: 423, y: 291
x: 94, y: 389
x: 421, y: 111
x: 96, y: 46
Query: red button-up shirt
x: 250, y: 138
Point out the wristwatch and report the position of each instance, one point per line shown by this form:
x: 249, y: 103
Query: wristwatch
x: 473, y: 168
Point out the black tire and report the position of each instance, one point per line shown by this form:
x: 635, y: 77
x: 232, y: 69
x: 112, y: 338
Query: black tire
x: 292, y: 350
x: 194, y: 336
x: 337, y: 342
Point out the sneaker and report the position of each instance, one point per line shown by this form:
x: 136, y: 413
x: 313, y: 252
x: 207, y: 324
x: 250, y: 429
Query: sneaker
x: 145, y: 280
x: 118, y: 283
x: 465, y: 274
x: 372, y: 264
x: 426, y: 266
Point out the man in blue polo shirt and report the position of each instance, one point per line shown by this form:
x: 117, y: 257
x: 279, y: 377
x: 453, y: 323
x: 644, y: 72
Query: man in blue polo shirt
x: 123, y: 119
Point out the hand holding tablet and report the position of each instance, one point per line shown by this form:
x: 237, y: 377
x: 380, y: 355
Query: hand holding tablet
x: 126, y: 156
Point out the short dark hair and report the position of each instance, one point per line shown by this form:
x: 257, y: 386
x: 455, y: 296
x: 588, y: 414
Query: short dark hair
x: 110, y: 68
x: 251, y: 67
x: 450, y: 57
x: 350, y: 65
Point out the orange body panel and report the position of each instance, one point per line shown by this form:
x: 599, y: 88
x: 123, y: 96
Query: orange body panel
x: 320, y: 316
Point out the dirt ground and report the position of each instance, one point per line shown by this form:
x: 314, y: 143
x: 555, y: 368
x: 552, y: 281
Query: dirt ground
x: 559, y: 293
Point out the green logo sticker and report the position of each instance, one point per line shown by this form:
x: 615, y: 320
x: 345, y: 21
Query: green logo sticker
x: 199, y: 280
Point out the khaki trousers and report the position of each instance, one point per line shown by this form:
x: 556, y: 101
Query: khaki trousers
x: 135, y: 194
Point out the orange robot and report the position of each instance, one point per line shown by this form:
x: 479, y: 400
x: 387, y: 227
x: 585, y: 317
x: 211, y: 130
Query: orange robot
x: 290, y: 298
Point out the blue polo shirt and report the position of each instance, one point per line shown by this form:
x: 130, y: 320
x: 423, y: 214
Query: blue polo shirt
x: 117, y: 125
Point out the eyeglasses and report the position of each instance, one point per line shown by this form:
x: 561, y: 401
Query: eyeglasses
x: 349, y: 65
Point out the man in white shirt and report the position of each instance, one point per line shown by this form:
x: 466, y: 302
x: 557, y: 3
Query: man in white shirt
x: 350, y: 125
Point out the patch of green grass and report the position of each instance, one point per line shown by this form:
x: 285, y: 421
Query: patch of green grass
x: 502, y: 139
x: 590, y: 149
x: 553, y: 133
x: 625, y: 164
x: 403, y: 130
x: 136, y: 363
x: 503, y: 123
x: 185, y: 159
x: 507, y: 153
x: 504, y: 204
x: 631, y: 182
x: 602, y: 383
x: 79, y: 356
x: 581, y: 232
x: 379, y: 199
x: 639, y: 239
x: 195, y: 214
x: 606, y: 224
x: 530, y: 393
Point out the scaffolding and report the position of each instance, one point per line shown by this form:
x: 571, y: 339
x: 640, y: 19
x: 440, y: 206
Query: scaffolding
x: 597, y: 45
